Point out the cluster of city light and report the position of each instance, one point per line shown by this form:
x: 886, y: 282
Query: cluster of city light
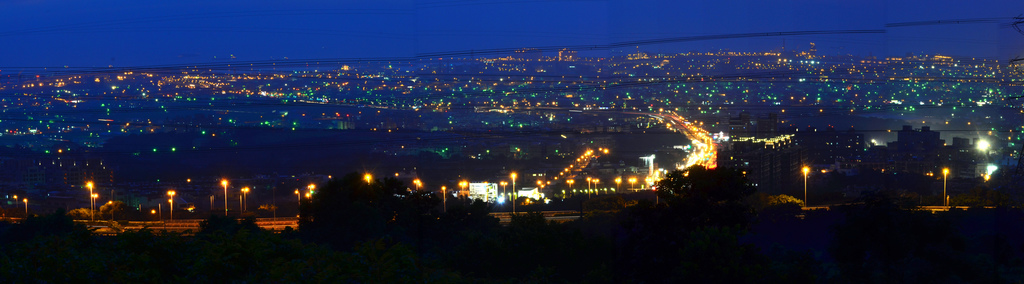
x: 704, y: 152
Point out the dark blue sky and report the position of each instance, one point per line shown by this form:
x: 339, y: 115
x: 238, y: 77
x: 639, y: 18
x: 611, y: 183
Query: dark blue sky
x: 131, y: 33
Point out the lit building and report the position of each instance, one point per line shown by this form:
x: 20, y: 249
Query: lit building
x: 771, y: 162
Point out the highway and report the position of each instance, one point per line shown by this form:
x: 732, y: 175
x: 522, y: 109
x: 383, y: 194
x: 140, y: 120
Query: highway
x: 704, y: 152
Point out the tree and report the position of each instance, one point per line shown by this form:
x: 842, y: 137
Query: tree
x: 83, y: 214
x: 56, y: 224
x: 979, y: 197
x: 707, y: 197
x: 350, y: 210
x: 227, y: 225
x: 882, y: 241
x: 530, y: 249
x: 114, y: 210
x: 694, y: 199
x: 775, y: 207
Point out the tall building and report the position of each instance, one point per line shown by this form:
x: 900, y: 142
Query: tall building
x: 831, y: 146
x: 771, y: 161
x: 760, y: 127
x: 909, y: 140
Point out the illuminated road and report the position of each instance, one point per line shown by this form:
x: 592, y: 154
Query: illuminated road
x: 703, y: 153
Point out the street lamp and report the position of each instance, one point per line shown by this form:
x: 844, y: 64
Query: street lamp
x: 618, y: 181
x: 945, y: 173
x: 245, y: 191
x: 632, y: 183
x: 171, y: 201
x: 570, y: 182
x: 368, y: 178
x: 224, y: 182
x: 514, y: 192
x: 807, y: 170
x: 513, y: 175
x: 299, y: 199
x: 596, y: 181
x: 444, y: 199
x: 91, y: 205
x: 92, y: 214
x: 503, y: 184
x: 418, y: 184
x: 26, y: 207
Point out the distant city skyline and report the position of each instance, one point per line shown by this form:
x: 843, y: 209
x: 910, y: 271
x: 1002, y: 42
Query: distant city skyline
x: 46, y: 33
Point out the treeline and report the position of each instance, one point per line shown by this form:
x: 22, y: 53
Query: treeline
x: 704, y: 229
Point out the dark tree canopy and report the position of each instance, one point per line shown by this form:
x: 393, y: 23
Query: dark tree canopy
x: 707, y: 197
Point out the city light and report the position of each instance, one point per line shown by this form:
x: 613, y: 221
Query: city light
x: 983, y: 145
x: 224, y: 183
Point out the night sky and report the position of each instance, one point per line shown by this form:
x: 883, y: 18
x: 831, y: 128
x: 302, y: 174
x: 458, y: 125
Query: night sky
x: 56, y: 33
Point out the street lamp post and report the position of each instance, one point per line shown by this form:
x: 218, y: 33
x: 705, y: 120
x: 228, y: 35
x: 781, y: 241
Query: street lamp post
x: 171, y: 201
x: 224, y: 183
x: 368, y: 178
x: 91, y: 205
x: 570, y: 182
x: 245, y: 197
x: 806, y: 170
x: 514, y: 191
x: 596, y: 181
x: 418, y: 184
x: 945, y: 173
x: 92, y: 213
x: 444, y: 199
x: 618, y: 181
x: 298, y: 197
x: 588, y: 186
x: 26, y: 207
x: 632, y: 183
x: 513, y: 175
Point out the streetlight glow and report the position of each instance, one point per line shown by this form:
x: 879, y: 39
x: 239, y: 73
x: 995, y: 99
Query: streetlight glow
x: 224, y: 182
x: 945, y: 174
x: 806, y: 170
x: 92, y: 204
x: 245, y: 191
x: 171, y: 201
